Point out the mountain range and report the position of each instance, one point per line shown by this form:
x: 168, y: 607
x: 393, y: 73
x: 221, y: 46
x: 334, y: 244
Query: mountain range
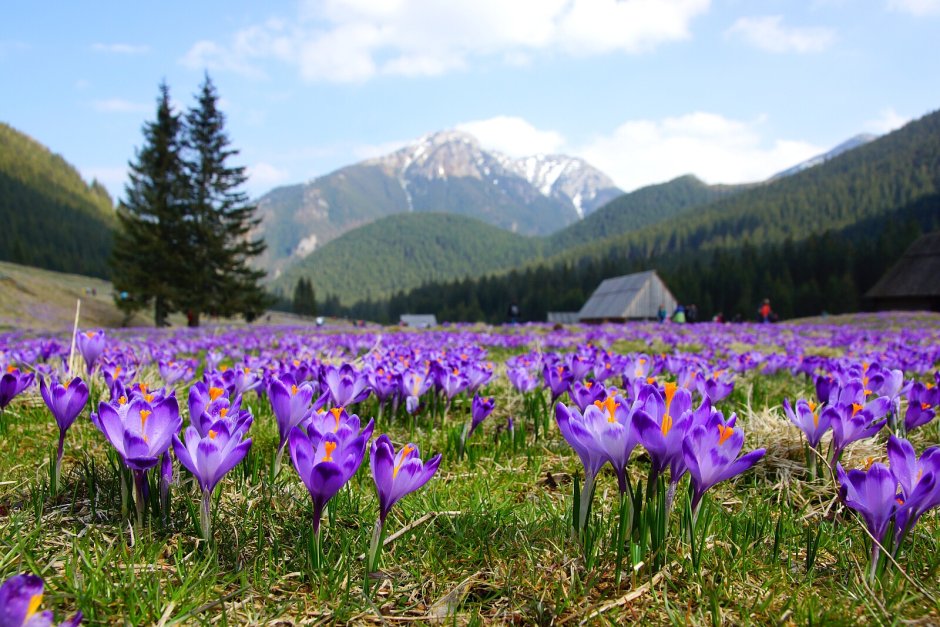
x: 681, y: 219
x: 447, y: 172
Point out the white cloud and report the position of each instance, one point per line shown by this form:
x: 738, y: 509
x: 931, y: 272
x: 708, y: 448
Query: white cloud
x: 888, y: 120
x: 714, y: 148
x: 769, y: 33
x: 263, y: 175
x: 514, y: 136
x: 355, y: 40
x: 119, y: 105
x: 121, y: 48
x: 916, y: 7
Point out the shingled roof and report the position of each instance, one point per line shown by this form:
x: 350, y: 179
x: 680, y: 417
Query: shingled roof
x: 916, y: 275
x: 633, y: 296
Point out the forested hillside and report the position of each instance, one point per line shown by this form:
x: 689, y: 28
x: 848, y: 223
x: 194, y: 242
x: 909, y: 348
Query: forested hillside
x: 646, y: 206
x: 407, y: 250
x: 51, y: 218
x: 826, y: 272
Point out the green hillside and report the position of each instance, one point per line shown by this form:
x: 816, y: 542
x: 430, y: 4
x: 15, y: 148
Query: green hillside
x: 870, y: 181
x: 51, y: 217
x: 403, y: 251
x: 640, y: 208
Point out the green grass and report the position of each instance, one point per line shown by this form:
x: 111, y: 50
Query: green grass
x: 496, y: 548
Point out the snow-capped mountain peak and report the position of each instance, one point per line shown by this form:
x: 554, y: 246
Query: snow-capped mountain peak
x: 455, y: 154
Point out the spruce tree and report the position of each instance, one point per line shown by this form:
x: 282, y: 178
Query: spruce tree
x: 221, y: 281
x: 150, y: 250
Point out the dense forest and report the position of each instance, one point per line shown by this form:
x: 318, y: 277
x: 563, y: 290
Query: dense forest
x: 51, y: 217
x: 828, y: 272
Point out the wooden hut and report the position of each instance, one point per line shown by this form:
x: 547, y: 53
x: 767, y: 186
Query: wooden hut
x: 913, y: 283
x: 630, y: 297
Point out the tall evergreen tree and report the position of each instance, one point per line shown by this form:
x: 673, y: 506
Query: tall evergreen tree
x: 149, y: 252
x: 222, y: 218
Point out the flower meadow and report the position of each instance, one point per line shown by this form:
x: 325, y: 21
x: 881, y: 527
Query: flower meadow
x: 724, y: 474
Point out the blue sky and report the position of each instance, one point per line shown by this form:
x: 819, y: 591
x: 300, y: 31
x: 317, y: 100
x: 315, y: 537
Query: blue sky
x: 646, y: 90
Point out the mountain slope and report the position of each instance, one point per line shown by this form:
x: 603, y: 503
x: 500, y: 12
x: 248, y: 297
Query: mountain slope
x: 404, y: 251
x: 441, y: 172
x: 871, y: 180
x: 640, y: 208
x: 51, y: 218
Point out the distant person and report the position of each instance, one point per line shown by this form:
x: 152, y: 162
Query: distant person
x: 662, y: 313
x: 719, y: 317
x: 513, y: 313
x: 692, y: 313
x: 765, y: 313
x: 678, y: 316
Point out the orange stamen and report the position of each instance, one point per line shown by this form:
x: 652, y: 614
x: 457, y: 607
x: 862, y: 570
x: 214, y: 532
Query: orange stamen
x: 610, y: 406
x: 34, y: 602
x: 667, y: 424
x: 293, y: 390
x: 212, y: 434
x: 725, y: 433
x: 670, y: 392
x: 144, y: 414
x: 215, y: 393
x: 330, y: 447
x: 337, y: 412
x: 223, y: 412
x: 856, y: 408
x: 122, y: 400
x: 401, y: 460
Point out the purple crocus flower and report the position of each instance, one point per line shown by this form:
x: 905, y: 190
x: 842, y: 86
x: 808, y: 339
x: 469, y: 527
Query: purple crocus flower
x: 557, y: 379
x: 522, y: 379
x: 140, y: 432
x: 711, y: 455
x: 921, y: 405
x: 873, y: 494
x: 20, y: 598
x: 290, y: 404
x: 414, y: 385
x: 571, y: 424
x: 480, y: 408
x: 346, y: 386
x: 919, y: 479
x: 12, y: 383
x: 453, y: 382
x: 209, y: 458
x: 395, y: 475
x: 90, y: 345
x: 65, y: 402
x: 584, y: 394
x: 664, y: 423
x: 611, y: 431
x: 851, y: 422
x: 811, y: 422
x: 717, y: 387
x: 326, y: 461
x: 174, y: 371
x: 201, y: 396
